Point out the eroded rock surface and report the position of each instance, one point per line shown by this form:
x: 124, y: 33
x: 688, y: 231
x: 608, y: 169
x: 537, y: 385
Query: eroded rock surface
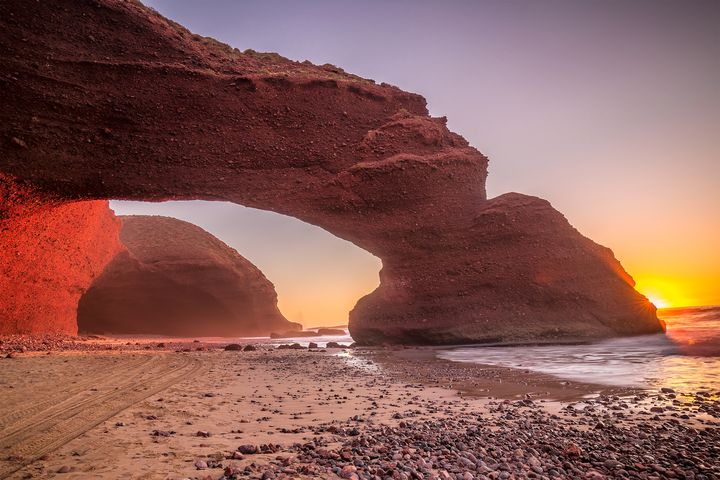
x: 107, y: 99
x: 529, y: 276
x: 177, y: 279
x: 48, y: 259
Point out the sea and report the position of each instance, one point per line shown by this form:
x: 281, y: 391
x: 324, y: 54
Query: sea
x: 685, y: 358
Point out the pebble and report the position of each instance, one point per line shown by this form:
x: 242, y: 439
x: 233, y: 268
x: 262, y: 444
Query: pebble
x: 248, y: 449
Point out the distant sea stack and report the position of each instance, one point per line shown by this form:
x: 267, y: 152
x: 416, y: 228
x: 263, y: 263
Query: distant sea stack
x: 177, y: 279
x: 108, y: 99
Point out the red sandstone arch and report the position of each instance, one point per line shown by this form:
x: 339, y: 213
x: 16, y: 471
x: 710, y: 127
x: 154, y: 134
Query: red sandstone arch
x: 107, y: 99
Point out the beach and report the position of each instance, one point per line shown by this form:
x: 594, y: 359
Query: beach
x: 157, y: 410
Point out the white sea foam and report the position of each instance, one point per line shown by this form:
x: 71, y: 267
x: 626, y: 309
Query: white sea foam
x: 687, y: 358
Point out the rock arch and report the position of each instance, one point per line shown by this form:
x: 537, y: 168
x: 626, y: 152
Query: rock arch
x: 107, y: 99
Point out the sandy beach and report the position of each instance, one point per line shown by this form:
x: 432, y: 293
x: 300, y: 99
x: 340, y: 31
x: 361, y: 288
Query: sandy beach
x: 176, y: 411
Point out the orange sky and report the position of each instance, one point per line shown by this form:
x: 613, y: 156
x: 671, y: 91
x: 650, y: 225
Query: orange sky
x: 678, y: 263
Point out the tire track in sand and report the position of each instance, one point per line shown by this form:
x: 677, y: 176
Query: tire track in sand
x: 65, y: 418
x: 12, y: 413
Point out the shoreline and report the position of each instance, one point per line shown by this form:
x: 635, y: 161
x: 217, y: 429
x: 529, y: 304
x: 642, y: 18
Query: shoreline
x: 421, y: 363
x: 339, y: 413
x: 492, y: 381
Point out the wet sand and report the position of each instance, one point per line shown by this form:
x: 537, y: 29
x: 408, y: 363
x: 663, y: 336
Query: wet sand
x: 422, y: 365
x: 150, y: 412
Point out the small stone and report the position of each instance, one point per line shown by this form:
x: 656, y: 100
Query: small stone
x: 594, y: 475
x: 233, y: 347
x: 348, y: 471
x: 248, y: 449
x: 572, y: 450
x: 20, y: 144
x: 201, y: 464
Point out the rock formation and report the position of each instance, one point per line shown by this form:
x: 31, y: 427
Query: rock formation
x: 107, y: 99
x: 47, y: 261
x: 530, y: 276
x: 177, y: 279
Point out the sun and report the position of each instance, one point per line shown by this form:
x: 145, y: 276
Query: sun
x: 658, y: 302
x: 663, y: 292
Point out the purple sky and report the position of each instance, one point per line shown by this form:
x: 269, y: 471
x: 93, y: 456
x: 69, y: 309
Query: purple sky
x: 610, y: 109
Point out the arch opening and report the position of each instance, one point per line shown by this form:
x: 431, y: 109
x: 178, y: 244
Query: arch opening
x: 318, y: 276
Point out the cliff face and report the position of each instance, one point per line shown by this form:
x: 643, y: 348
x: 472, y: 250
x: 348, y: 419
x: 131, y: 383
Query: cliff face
x: 48, y: 259
x: 177, y: 279
x: 107, y: 99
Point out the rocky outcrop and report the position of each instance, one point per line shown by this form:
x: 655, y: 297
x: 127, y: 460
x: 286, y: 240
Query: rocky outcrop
x: 107, y: 99
x: 528, y: 274
x: 177, y: 279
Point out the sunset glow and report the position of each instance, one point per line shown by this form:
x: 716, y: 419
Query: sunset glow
x: 665, y: 293
x: 658, y: 302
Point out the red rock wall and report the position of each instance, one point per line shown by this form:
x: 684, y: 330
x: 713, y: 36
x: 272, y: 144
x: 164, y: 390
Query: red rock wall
x: 48, y: 259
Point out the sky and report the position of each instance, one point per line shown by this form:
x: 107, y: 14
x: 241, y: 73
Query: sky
x: 609, y: 109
